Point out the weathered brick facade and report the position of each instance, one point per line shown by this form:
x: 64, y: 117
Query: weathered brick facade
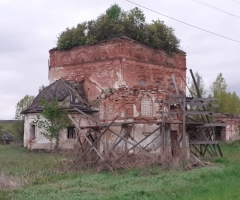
x: 124, y: 78
x: 117, y: 62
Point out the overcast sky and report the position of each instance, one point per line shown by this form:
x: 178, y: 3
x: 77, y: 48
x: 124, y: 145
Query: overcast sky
x: 28, y: 29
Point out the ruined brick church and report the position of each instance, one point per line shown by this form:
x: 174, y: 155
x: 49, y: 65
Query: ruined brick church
x: 118, y: 77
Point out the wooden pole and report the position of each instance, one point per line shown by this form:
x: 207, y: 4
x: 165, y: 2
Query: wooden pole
x: 107, y: 134
x: 86, y: 138
x: 94, y: 120
x: 99, y: 137
x: 135, y: 145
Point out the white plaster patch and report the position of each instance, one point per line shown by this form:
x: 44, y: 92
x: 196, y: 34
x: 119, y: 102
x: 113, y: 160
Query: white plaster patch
x: 43, y: 141
x: 120, y: 81
x: 135, y: 112
x: 122, y: 114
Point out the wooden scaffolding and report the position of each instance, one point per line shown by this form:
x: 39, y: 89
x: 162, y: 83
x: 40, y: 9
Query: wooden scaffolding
x: 193, y: 117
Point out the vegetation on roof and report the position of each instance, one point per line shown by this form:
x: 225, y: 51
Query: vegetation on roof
x: 115, y: 22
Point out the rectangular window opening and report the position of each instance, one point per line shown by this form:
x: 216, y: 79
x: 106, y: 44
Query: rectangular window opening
x: 71, y: 133
x: 33, y: 131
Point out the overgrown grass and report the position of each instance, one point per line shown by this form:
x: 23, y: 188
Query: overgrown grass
x: 37, y: 176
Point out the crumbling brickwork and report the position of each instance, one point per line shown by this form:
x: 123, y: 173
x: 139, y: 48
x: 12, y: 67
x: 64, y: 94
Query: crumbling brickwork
x: 117, y: 62
x: 232, y: 131
x: 137, y: 103
x: 137, y: 106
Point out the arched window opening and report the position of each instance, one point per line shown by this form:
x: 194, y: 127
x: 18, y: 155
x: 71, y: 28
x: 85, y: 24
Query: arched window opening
x: 142, y: 82
x: 146, y: 106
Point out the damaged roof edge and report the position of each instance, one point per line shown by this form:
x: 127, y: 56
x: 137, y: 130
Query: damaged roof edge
x: 60, y: 90
x: 124, y: 37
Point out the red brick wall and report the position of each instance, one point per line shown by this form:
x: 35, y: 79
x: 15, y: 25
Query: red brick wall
x: 231, y: 131
x: 128, y: 100
x: 116, y: 62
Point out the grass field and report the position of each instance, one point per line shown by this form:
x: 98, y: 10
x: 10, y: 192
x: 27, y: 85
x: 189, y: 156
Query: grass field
x: 27, y: 175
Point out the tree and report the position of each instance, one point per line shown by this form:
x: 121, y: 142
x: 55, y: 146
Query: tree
x: 22, y: 105
x: 73, y: 37
x: 114, y: 12
x: 115, y: 22
x: 219, y: 85
x: 200, y: 84
x: 41, y: 88
x: 219, y: 91
x: 55, y: 119
x: 227, y: 102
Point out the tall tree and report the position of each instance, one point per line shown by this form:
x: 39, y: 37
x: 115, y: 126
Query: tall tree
x: 219, y: 85
x: 114, y: 12
x: 219, y: 91
x: 23, y: 104
x: 201, y: 86
x: 233, y: 103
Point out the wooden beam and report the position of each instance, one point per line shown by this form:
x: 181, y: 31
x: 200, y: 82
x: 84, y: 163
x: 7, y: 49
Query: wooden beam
x: 219, y: 149
x: 142, y: 150
x: 203, y: 142
x: 184, y: 142
x: 115, y: 143
x: 99, y: 137
x: 200, y: 113
x: 150, y: 142
x: 136, y: 146
x: 101, y: 157
x: 176, y: 95
x: 201, y: 99
x: 211, y: 125
x: 206, y: 149
x: 196, y: 149
x: 94, y: 120
x: 107, y: 134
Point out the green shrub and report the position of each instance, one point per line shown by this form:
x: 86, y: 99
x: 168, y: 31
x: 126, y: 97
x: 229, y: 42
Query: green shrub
x: 115, y: 22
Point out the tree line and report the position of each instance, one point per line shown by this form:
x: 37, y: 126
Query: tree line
x: 228, y: 102
x: 115, y: 22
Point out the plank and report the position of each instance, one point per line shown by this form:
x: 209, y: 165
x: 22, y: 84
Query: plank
x: 212, y: 125
x: 136, y: 146
x: 201, y: 113
x: 176, y: 95
x: 94, y: 148
x: 201, y: 99
x: 99, y: 137
x: 219, y: 149
x: 203, y: 142
x: 86, y: 115
x: 142, y: 150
